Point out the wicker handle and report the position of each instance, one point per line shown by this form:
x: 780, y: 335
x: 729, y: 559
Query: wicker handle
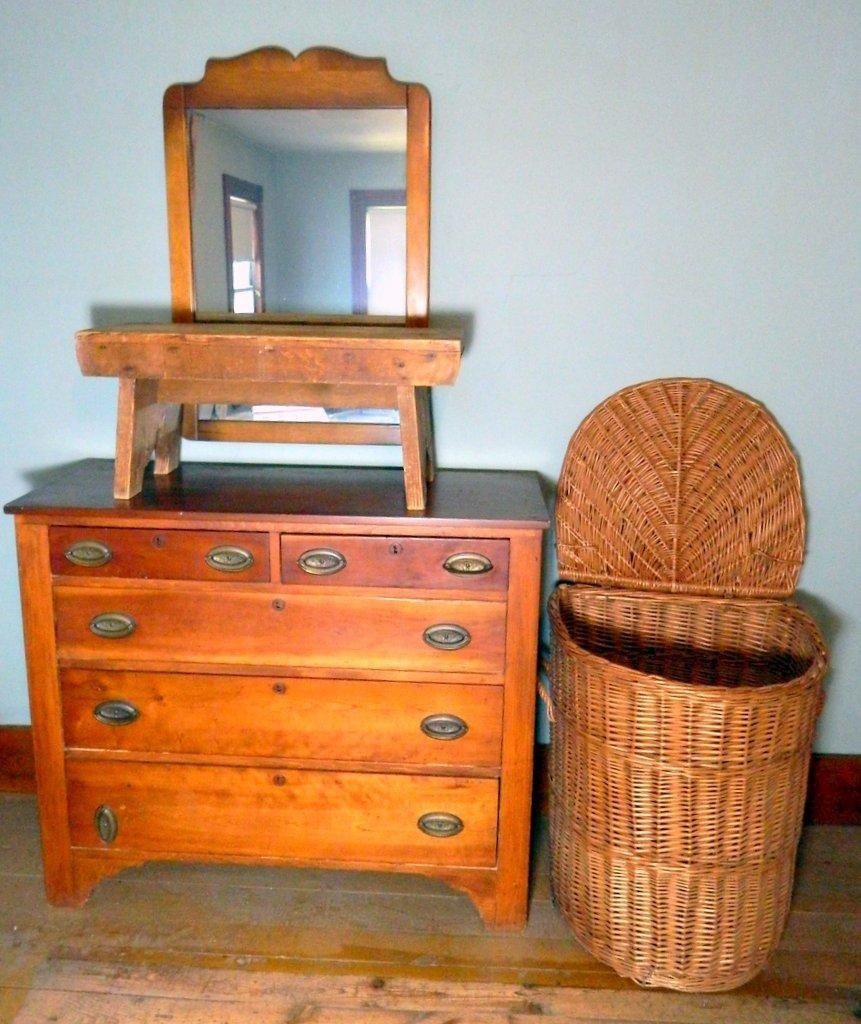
x: 544, y: 693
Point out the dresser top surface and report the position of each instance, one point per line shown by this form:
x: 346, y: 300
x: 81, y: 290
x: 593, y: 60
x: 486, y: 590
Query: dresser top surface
x: 332, y: 494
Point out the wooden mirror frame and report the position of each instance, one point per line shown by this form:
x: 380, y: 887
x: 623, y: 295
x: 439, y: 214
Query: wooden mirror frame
x: 272, y: 78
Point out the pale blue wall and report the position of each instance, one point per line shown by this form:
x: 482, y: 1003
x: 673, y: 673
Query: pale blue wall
x: 621, y: 190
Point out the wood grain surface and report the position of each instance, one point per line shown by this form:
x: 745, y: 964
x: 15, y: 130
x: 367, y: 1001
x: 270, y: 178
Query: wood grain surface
x: 305, y: 497
x: 404, y: 562
x: 283, y: 718
x: 160, y: 554
x: 198, y: 944
x: 363, y: 355
x: 300, y: 815
x: 193, y: 626
x: 286, y: 722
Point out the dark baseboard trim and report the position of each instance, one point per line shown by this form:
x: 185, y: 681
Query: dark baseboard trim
x: 834, y: 790
x: 833, y: 798
x: 17, y: 765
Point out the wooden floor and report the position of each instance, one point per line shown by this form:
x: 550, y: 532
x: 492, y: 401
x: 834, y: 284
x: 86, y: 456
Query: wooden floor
x: 187, y: 944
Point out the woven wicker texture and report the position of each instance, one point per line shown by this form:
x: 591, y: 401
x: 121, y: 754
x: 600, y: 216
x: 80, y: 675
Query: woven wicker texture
x: 683, y: 722
x: 681, y: 485
x: 681, y: 746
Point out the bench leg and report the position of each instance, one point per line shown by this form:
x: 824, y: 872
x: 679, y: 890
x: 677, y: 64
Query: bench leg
x: 145, y: 427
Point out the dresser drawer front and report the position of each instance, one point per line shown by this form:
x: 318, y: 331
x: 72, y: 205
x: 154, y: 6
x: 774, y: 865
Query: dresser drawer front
x: 248, y: 627
x: 308, y: 719
x: 414, y: 562
x: 303, y: 815
x: 160, y: 554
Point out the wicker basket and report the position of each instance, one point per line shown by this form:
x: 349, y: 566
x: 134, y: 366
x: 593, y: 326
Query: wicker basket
x: 683, y: 719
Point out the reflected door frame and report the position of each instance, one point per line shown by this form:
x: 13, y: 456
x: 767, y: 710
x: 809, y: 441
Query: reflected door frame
x: 361, y: 200
x: 237, y: 188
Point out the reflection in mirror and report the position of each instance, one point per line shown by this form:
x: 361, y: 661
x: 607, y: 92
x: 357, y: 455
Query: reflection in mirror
x: 243, y: 243
x: 299, y: 193
x: 299, y: 212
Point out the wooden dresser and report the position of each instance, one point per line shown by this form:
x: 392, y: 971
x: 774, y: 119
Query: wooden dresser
x: 271, y: 665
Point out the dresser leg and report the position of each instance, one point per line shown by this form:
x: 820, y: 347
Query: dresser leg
x: 498, y: 909
x: 500, y: 914
x: 87, y: 871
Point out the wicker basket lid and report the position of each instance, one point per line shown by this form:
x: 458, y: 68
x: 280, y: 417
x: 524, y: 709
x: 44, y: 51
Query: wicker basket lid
x: 683, y: 486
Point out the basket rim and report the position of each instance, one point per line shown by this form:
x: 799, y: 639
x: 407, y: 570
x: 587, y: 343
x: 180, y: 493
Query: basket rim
x: 676, y: 687
x: 604, y: 410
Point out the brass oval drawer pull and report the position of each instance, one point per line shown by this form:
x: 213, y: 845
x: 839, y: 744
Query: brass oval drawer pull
x: 89, y: 553
x: 322, y: 561
x: 444, y: 727
x: 113, y: 625
x: 229, y: 558
x: 106, y: 823
x: 467, y: 563
x: 116, y: 712
x: 440, y: 824
x: 446, y: 636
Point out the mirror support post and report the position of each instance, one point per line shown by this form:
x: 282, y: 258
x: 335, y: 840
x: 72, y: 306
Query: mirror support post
x: 179, y: 189
x: 418, y: 205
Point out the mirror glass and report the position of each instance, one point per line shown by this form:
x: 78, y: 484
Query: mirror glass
x: 298, y: 212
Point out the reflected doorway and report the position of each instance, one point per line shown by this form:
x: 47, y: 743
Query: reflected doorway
x: 378, y: 241
x: 243, y: 244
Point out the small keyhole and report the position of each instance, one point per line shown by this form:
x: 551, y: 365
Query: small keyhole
x: 395, y: 549
x: 279, y: 687
x: 278, y: 605
x: 158, y: 541
x: 279, y: 780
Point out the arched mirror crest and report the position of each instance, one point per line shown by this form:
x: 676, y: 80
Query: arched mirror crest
x: 298, y: 191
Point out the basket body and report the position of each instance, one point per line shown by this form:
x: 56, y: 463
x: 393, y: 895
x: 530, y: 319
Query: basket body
x: 680, y: 753
x: 685, y: 691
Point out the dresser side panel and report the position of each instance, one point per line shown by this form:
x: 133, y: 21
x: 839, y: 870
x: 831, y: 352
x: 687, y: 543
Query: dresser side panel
x: 518, y: 731
x: 45, y: 707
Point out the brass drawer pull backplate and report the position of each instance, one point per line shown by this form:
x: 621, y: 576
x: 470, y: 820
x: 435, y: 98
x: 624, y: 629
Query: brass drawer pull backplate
x: 322, y: 561
x: 467, y: 563
x: 444, y: 727
x: 229, y: 558
x: 113, y: 625
x: 89, y: 553
x: 105, y: 820
x: 440, y: 824
x: 446, y: 636
x: 116, y: 712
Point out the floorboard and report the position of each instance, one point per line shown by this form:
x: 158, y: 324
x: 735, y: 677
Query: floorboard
x: 184, y: 944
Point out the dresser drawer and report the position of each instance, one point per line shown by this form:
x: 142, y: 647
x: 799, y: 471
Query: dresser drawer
x: 303, y: 815
x: 159, y: 554
x: 309, y: 719
x: 250, y: 627
x: 414, y: 562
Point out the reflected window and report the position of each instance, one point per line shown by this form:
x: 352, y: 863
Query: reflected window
x: 243, y: 243
x: 378, y: 221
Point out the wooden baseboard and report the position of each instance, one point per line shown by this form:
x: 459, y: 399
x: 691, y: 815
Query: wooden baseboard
x: 833, y: 798
x: 834, y: 790
x: 17, y: 764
